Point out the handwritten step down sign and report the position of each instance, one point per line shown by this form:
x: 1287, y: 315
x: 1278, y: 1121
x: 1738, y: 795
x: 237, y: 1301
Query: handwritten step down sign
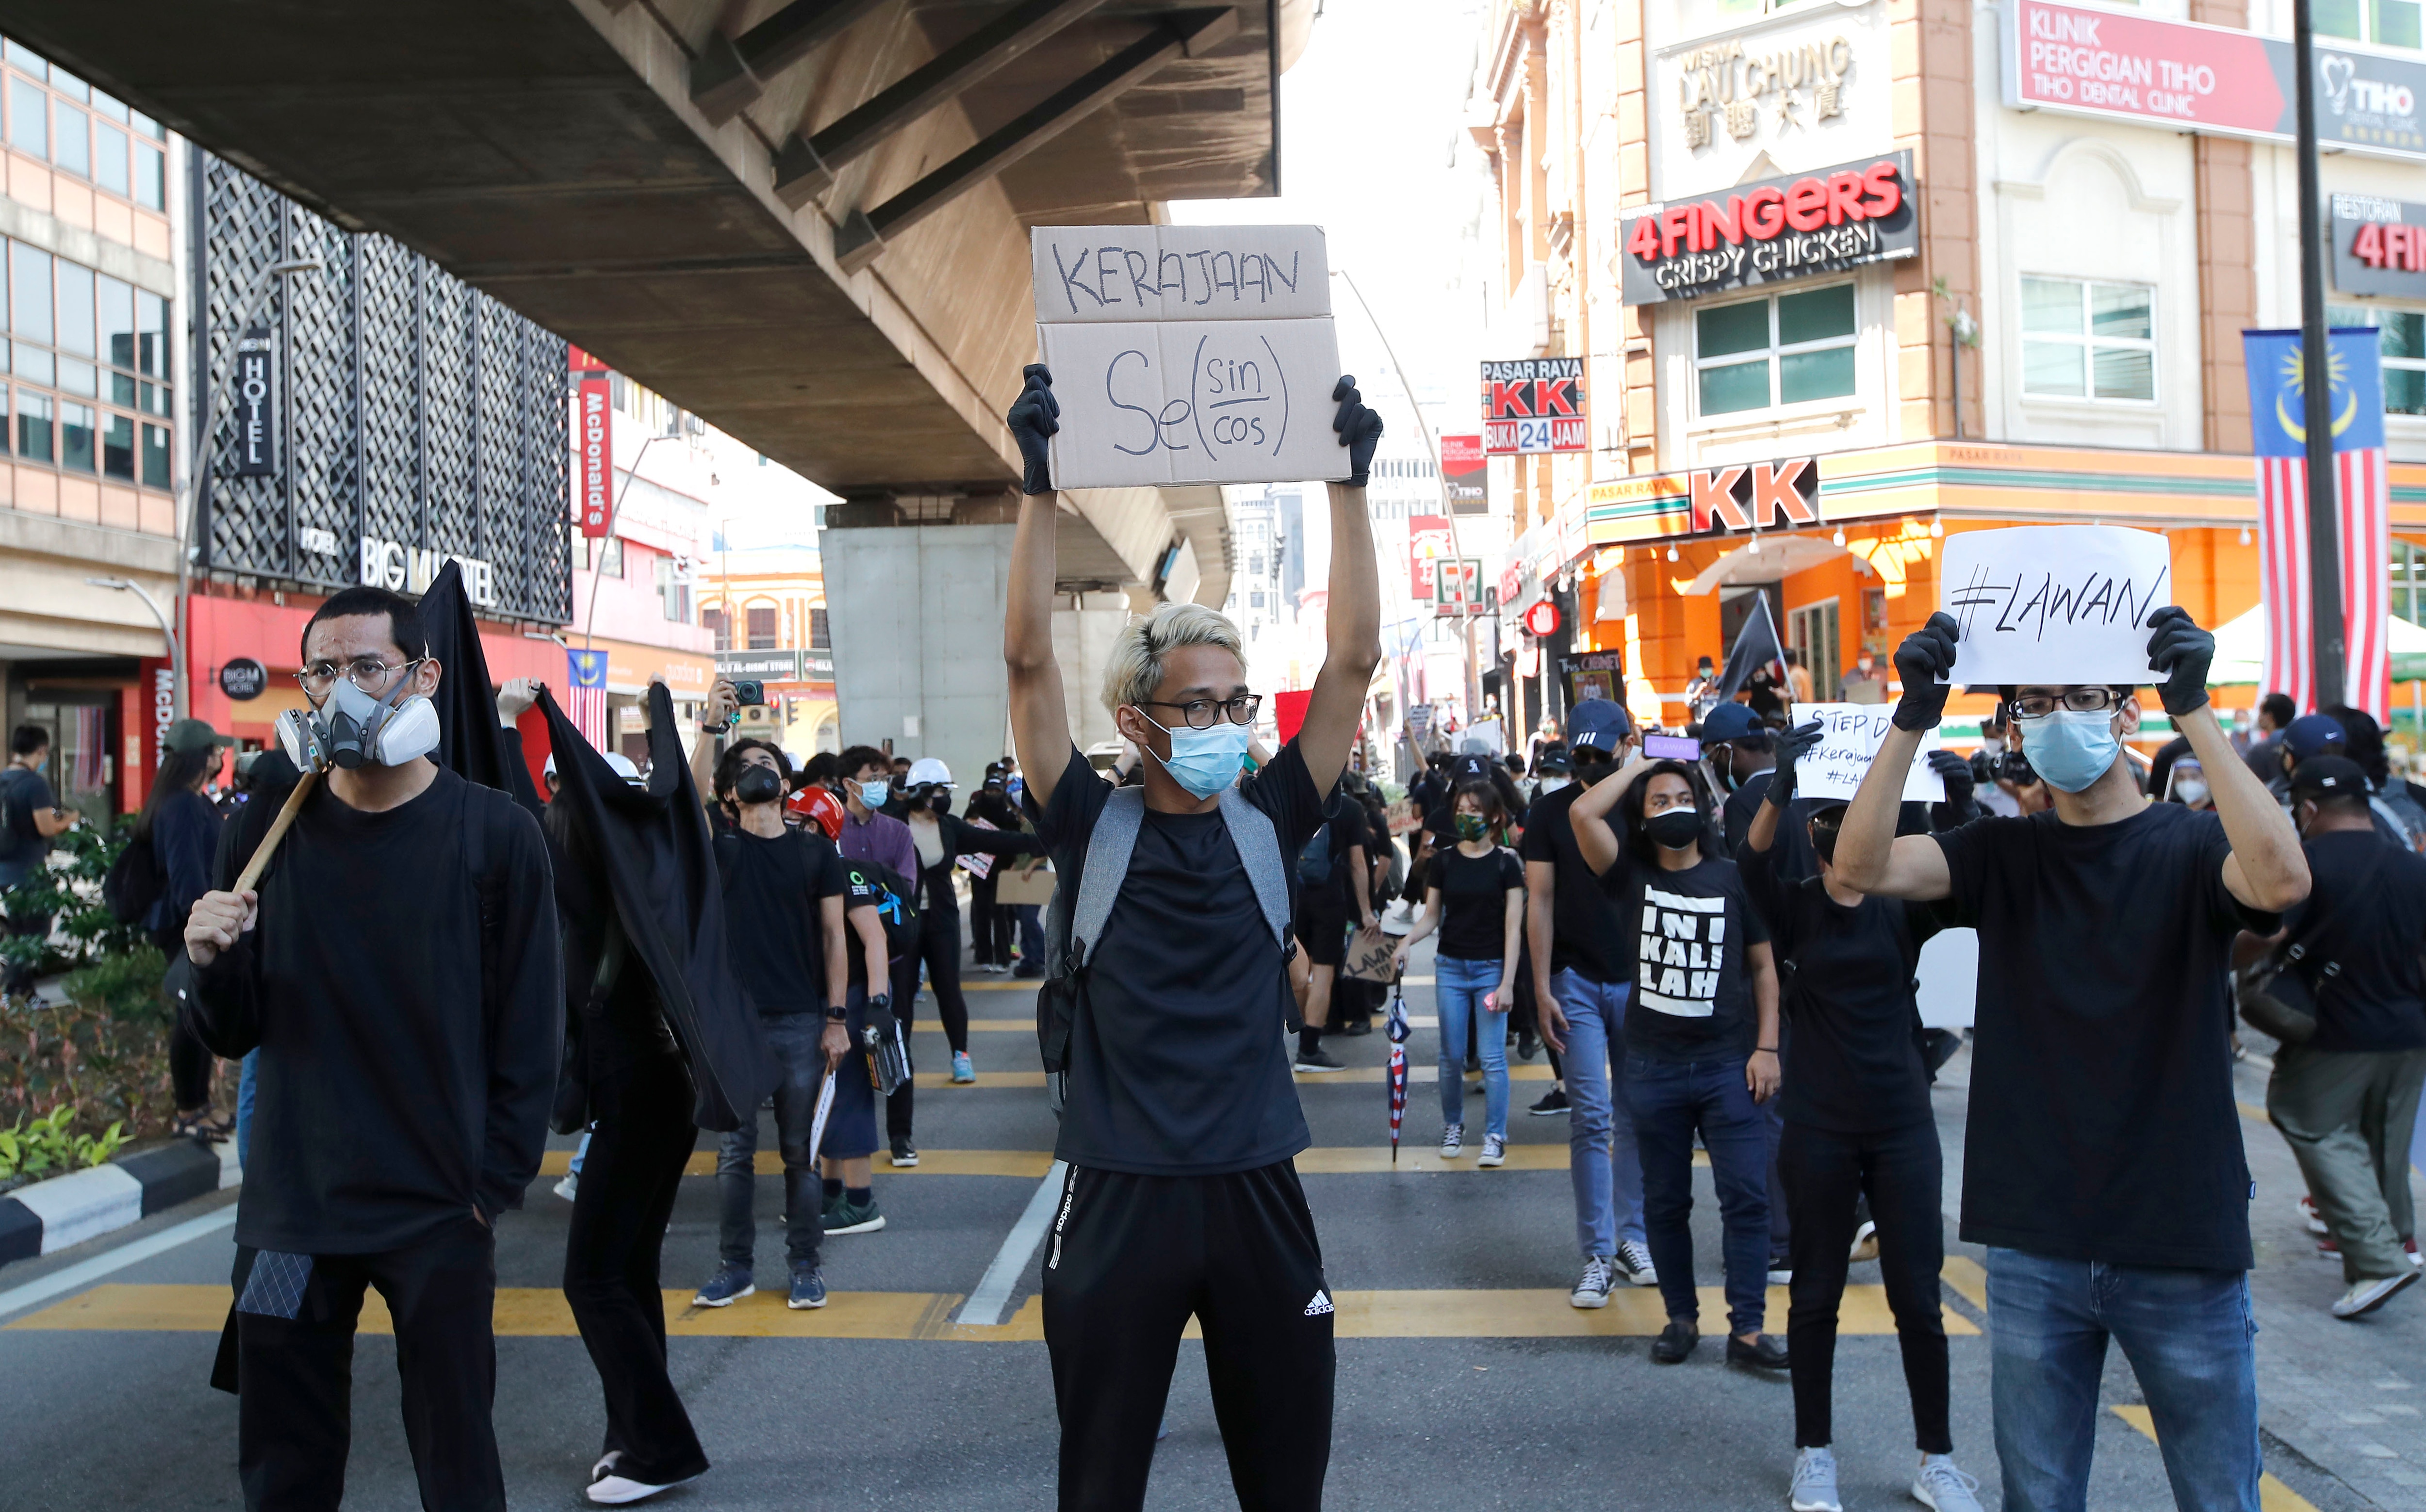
x: 1189, y: 354
x: 1850, y: 734
x: 2055, y: 604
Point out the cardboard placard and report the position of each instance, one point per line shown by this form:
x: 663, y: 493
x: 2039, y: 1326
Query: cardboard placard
x: 2055, y: 604
x: 1020, y: 885
x: 1368, y: 955
x: 1834, y: 768
x: 1188, y: 354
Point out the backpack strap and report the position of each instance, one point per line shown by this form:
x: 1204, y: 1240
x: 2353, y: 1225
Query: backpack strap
x: 1259, y: 847
x: 1106, y: 867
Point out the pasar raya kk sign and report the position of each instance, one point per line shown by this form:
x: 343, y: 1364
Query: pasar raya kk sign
x: 1534, y: 405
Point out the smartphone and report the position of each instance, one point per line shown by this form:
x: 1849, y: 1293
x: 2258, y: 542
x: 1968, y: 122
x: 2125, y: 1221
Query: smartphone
x: 1672, y: 748
x: 750, y: 691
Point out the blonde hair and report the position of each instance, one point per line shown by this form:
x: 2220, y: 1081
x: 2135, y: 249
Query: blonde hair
x: 1135, y: 667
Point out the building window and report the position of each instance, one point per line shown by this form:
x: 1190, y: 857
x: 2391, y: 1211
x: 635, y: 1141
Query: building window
x: 674, y: 590
x: 761, y: 627
x: 820, y: 631
x: 57, y: 116
x: 1255, y: 600
x: 34, y: 426
x: 2082, y: 340
x: 604, y: 557
x: 716, y: 620
x: 2409, y: 582
x: 1256, y: 564
x: 2402, y: 338
x: 89, y: 337
x: 1785, y: 350
x: 2385, y: 22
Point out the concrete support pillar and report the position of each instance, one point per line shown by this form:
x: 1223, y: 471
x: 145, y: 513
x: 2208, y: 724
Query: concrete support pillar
x: 1082, y: 643
x: 916, y: 613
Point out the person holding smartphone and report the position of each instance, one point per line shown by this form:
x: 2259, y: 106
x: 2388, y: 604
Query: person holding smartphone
x: 1474, y: 894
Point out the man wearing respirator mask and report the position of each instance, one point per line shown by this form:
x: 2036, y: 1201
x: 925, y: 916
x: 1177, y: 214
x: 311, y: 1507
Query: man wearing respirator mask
x: 398, y: 969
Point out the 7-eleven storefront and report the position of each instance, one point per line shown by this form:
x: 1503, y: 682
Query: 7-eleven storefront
x: 1845, y: 546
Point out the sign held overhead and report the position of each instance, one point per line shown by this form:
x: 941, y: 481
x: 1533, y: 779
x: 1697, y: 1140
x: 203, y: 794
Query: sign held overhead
x: 1188, y: 354
x: 2055, y: 604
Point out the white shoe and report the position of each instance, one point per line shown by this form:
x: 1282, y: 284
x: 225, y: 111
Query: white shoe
x: 1865, y: 1243
x: 1634, y: 1262
x: 1452, y: 1141
x: 1814, y: 1489
x: 610, y: 1490
x: 1940, y: 1485
x: 1495, y: 1151
x: 2310, y: 1218
x: 566, y: 1187
x: 2367, y: 1296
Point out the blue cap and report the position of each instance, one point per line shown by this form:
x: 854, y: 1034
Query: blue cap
x: 1730, y: 721
x: 1598, y: 723
x: 2310, y: 734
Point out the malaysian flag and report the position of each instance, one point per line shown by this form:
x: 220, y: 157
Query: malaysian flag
x: 586, y: 675
x: 2277, y: 406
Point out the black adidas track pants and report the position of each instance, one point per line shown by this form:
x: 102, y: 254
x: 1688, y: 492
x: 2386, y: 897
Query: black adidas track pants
x: 1130, y: 1260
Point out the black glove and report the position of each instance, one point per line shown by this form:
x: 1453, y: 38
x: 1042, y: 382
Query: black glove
x: 2182, y: 652
x: 1792, y: 745
x: 1360, y: 430
x: 1956, y: 769
x: 1034, y: 417
x: 1924, y: 655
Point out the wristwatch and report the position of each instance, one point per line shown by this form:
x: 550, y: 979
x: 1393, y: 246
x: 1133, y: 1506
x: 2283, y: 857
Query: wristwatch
x: 835, y: 1015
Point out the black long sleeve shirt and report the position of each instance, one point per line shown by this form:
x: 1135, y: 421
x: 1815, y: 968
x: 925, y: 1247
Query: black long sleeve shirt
x: 402, y: 1081
x: 961, y: 838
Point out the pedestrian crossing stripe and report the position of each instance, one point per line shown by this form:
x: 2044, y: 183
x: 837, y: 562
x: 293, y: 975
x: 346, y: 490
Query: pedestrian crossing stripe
x: 530, y: 1311
x: 1351, y: 1076
x: 1032, y: 1164
x: 2272, y: 1495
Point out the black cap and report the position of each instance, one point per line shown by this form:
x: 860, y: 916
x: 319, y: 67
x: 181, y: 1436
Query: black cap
x: 2329, y: 777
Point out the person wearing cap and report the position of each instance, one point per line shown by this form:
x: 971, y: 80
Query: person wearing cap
x: 2308, y: 736
x: 182, y: 828
x: 2346, y: 1098
x: 1583, y: 970
x: 2103, y: 1165
x: 1737, y: 751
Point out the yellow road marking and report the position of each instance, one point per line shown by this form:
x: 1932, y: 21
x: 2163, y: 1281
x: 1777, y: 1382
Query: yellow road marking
x: 1416, y: 1157
x: 2252, y: 1110
x: 2272, y: 1495
x: 1969, y: 1281
x: 541, y: 1312
x: 1355, y: 1075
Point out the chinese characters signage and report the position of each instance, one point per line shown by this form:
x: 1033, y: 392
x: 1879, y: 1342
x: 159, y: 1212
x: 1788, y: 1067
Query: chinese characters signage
x: 2379, y: 246
x: 1532, y: 406
x: 1724, y: 88
x: 1824, y: 221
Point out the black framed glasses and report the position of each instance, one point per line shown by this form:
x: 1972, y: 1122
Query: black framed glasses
x: 1204, y: 714
x: 2089, y: 698
x: 368, y: 673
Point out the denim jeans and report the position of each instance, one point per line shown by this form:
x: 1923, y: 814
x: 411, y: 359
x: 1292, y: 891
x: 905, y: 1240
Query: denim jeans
x: 1601, y: 1158
x: 1671, y: 1100
x: 2190, y: 1338
x: 794, y: 1038
x: 1459, y: 989
x: 244, y: 1108
x: 1031, y: 935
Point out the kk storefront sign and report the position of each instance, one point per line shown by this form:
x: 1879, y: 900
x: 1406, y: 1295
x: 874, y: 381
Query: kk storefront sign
x: 2213, y: 80
x: 1823, y: 221
x: 1737, y: 499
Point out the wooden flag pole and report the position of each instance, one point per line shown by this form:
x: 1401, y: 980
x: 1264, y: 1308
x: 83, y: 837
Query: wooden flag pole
x: 278, y: 827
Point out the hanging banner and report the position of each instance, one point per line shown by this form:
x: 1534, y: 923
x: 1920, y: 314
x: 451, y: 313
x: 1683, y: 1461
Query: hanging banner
x: 256, y: 405
x: 1533, y: 405
x: 593, y: 471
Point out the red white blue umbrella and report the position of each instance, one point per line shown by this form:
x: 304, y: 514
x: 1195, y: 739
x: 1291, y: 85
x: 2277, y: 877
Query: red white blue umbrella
x: 1400, y: 1029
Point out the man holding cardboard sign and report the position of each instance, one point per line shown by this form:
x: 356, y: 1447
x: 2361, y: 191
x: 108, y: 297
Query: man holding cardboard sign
x: 1180, y: 1123
x: 2103, y: 1166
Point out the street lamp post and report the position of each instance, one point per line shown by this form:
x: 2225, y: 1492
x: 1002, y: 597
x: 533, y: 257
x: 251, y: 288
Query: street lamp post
x: 188, y: 519
x: 167, y: 627
x: 2316, y: 381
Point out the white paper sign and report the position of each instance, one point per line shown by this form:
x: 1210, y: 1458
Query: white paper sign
x: 1189, y: 354
x: 2055, y: 604
x: 1849, y: 739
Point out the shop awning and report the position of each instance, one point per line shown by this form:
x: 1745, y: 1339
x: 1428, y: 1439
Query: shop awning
x: 1766, y: 560
x: 2240, y: 650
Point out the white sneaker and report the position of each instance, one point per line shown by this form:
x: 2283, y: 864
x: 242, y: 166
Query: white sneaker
x: 566, y: 1187
x: 1592, y: 1288
x: 1814, y: 1489
x: 1634, y: 1258
x: 1453, y: 1141
x: 1940, y: 1485
x: 1865, y: 1243
x: 2309, y: 1218
x: 610, y: 1490
x: 2367, y: 1296
x: 1495, y: 1151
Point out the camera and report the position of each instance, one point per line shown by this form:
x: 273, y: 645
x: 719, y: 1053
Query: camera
x: 749, y: 691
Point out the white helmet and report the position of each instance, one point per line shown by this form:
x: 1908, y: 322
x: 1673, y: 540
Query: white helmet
x: 926, y: 770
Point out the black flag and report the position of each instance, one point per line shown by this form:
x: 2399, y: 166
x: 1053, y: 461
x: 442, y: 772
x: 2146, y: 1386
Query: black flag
x: 471, y: 743
x: 1756, y: 647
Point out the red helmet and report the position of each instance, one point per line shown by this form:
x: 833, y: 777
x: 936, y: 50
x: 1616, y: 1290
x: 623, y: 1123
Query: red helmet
x: 820, y: 805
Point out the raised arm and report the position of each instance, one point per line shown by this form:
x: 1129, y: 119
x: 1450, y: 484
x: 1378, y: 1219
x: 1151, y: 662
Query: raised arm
x: 1039, y: 714
x: 715, y: 717
x: 2267, y: 869
x: 1791, y: 747
x: 1352, y: 625
x: 1870, y: 856
x: 1595, y: 837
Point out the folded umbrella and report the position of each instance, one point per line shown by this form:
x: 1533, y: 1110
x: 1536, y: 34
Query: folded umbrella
x: 1398, y: 1030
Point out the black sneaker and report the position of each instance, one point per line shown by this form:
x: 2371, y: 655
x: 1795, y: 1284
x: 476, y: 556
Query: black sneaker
x: 1355, y: 1027
x: 1319, y: 1059
x: 1765, y: 1351
x: 904, y: 1153
x: 1554, y: 1102
x: 1527, y: 1046
x: 1675, y: 1341
x: 846, y: 1216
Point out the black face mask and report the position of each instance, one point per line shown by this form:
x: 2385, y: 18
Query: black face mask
x: 941, y: 803
x: 1674, y: 828
x: 757, y: 785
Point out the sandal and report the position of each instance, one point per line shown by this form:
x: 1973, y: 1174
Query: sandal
x: 208, y: 1125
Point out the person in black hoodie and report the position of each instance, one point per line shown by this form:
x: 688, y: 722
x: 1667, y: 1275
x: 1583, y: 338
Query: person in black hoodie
x: 399, y: 968
x: 1858, y: 1125
x: 182, y: 827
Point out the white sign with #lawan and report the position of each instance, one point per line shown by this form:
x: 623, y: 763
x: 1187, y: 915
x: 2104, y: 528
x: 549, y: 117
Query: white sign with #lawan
x: 1849, y: 738
x: 2055, y: 604
x: 1189, y: 354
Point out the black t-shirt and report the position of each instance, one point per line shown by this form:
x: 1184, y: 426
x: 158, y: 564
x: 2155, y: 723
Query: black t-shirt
x: 1344, y: 818
x: 1177, y: 1064
x: 1692, y: 999
x: 1846, y: 979
x: 861, y: 890
x: 2103, y: 1124
x: 772, y: 889
x: 1587, y: 935
x: 25, y: 793
x: 1474, y: 901
x: 2366, y: 913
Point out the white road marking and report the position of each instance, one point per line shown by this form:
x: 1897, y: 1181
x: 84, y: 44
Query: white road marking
x: 84, y: 1272
x: 984, y: 1306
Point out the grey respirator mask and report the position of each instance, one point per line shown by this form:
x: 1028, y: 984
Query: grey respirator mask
x: 352, y: 727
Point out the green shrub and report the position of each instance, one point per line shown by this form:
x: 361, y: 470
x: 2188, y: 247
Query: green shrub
x: 48, y: 1144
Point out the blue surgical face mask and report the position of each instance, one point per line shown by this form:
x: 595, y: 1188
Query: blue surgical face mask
x: 1205, y: 760
x: 2071, y: 750
x: 876, y: 795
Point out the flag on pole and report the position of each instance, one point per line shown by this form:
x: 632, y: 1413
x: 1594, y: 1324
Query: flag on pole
x: 2277, y: 415
x: 586, y: 676
x: 1756, y: 647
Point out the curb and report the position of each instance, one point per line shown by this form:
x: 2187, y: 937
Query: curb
x: 68, y: 1210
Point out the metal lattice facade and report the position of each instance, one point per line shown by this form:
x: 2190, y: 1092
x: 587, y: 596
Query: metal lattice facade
x: 410, y: 410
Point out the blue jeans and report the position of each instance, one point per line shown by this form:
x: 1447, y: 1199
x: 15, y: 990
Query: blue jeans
x: 1671, y: 1100
x: 1601, y: 1157
x: 1459, y: 989
x: 795, y: 1039
x: 244, y: 1109
x: 2190, y: 1338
